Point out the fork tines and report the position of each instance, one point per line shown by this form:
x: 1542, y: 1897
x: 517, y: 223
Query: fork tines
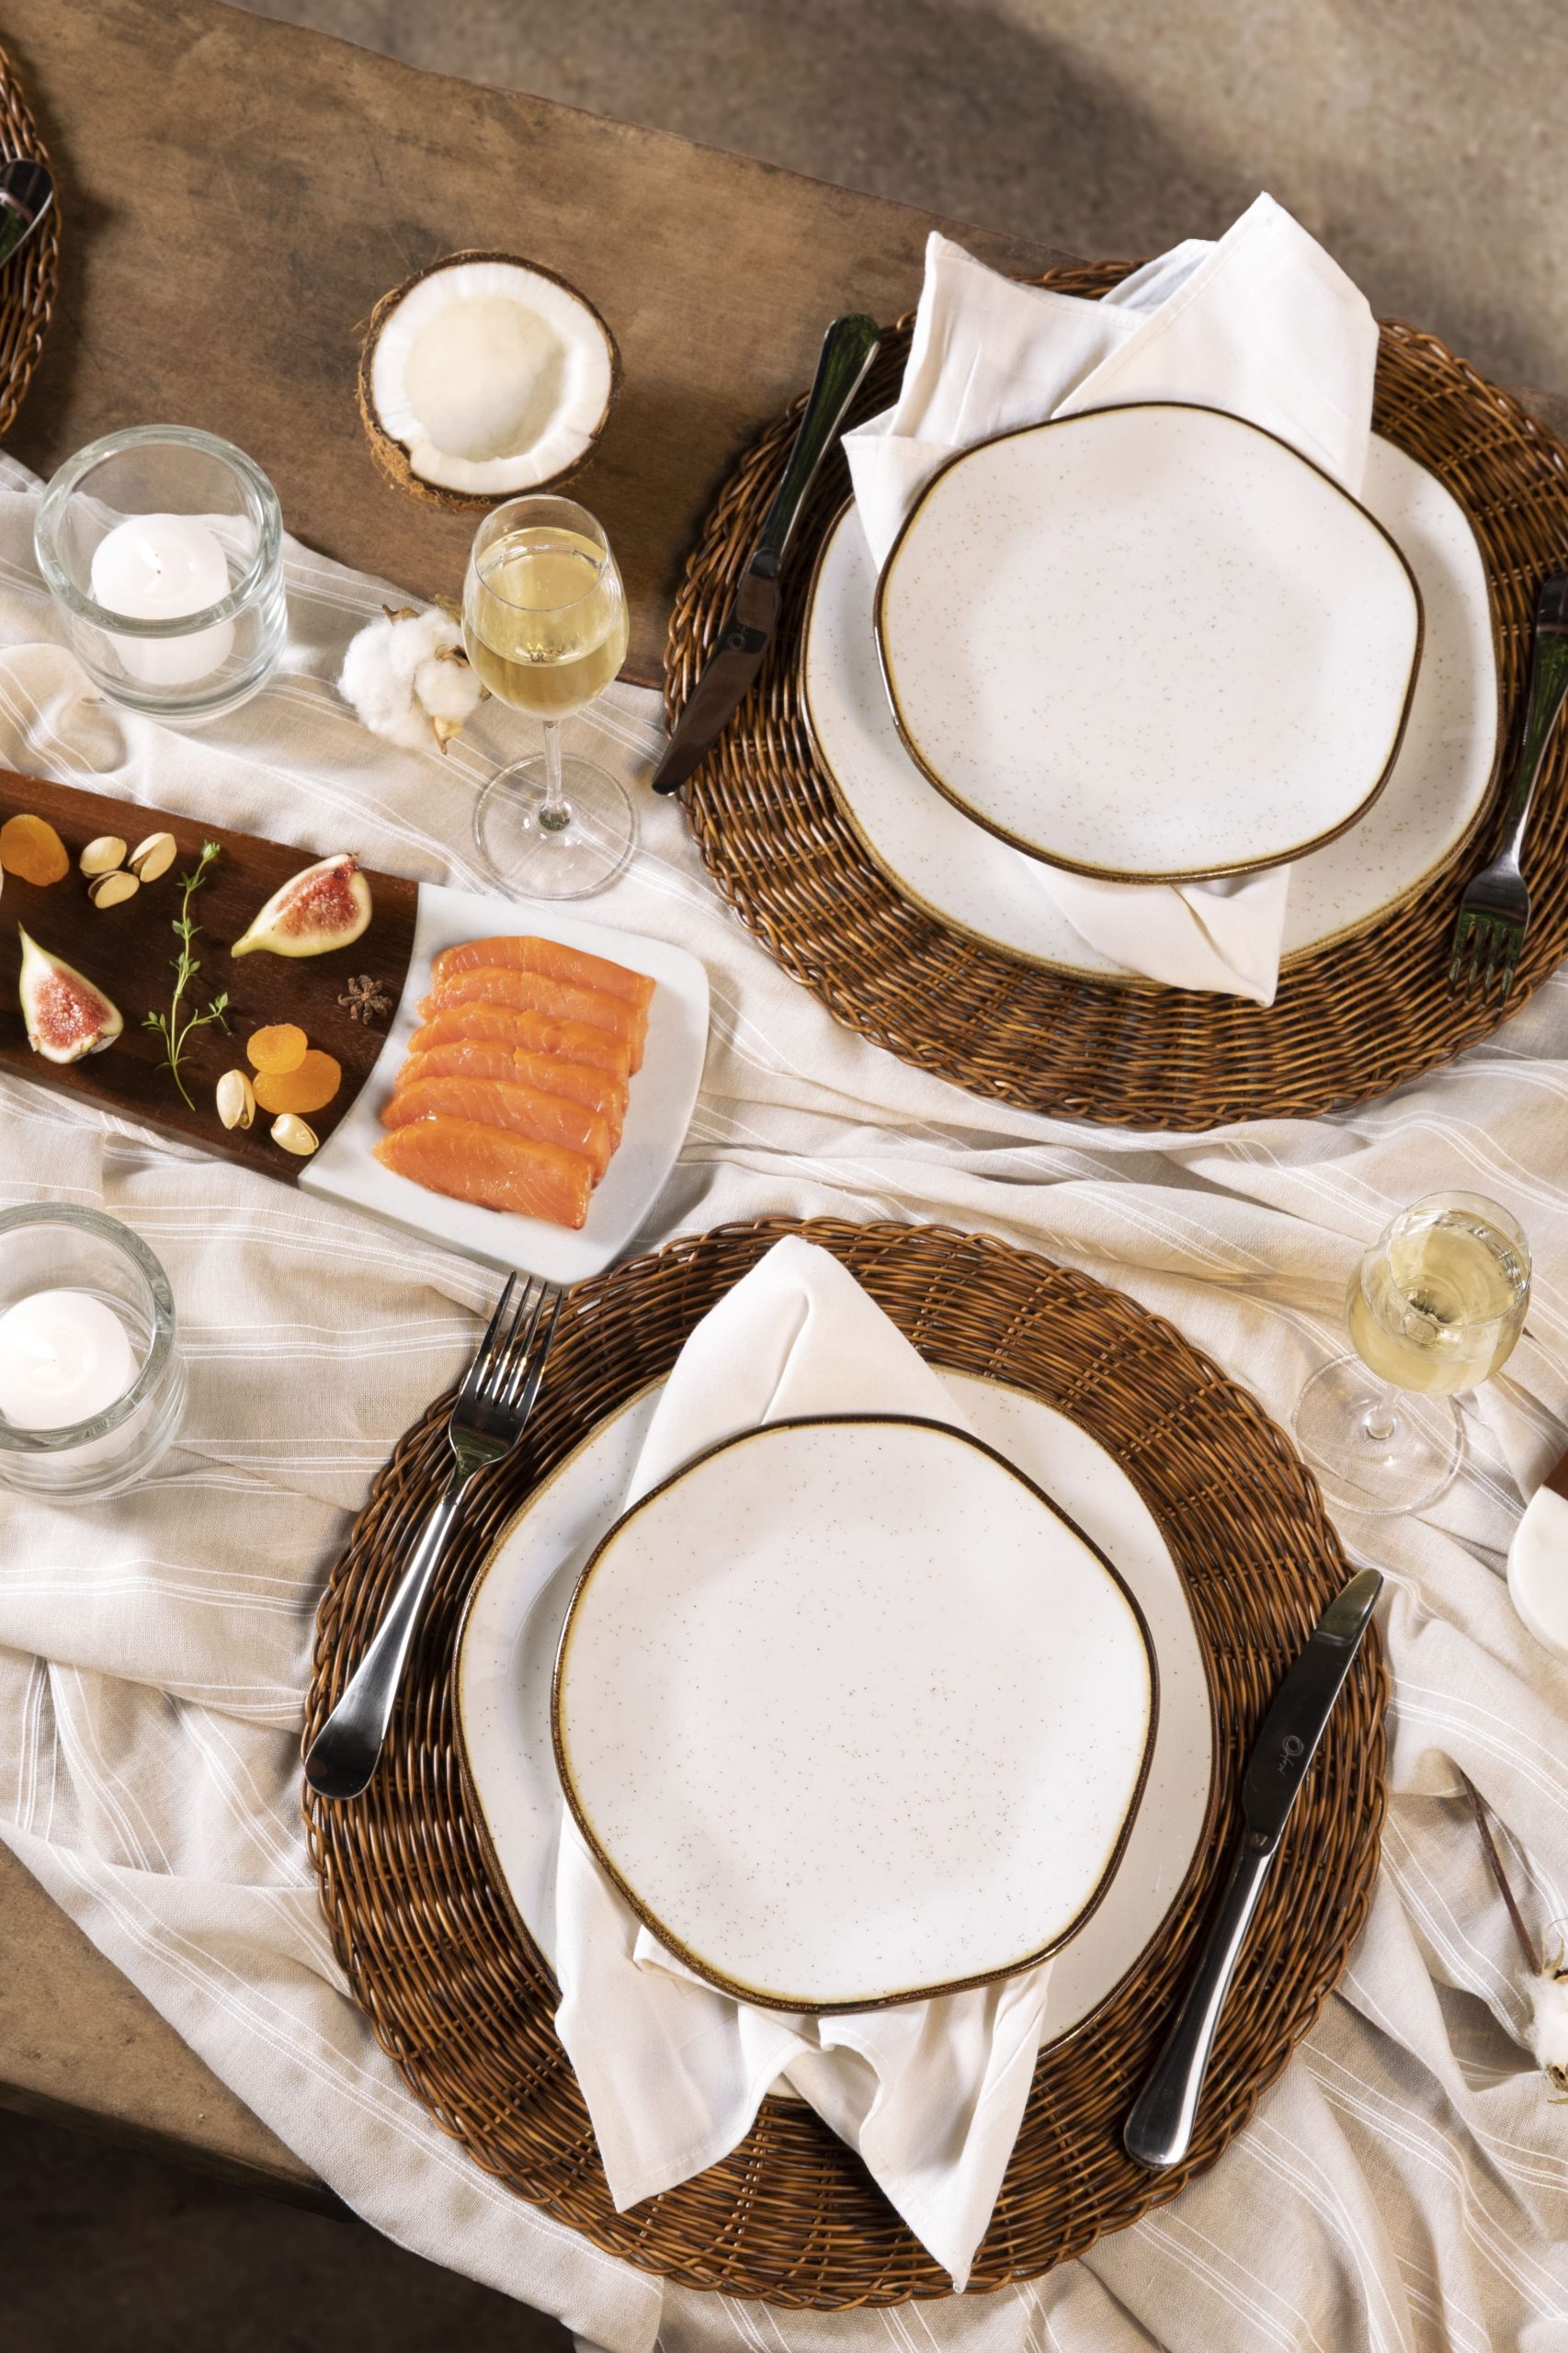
x: 1486, y: 951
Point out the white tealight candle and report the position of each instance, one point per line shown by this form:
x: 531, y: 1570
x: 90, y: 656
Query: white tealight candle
x: 64, y: 1356
x: 158, y: 568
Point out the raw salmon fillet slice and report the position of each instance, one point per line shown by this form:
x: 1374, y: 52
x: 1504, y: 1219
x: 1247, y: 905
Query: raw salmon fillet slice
x: 498, y: 1103
x: 490, y: 1168
x: 591, y: 1090
x: 531, y: 1033
x: 538, y: 992
x: 530, y: 955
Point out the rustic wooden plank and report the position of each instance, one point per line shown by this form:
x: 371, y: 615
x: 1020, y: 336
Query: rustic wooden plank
x: 126, y: 951
x: 236, y: 194
x: 79, y: 2043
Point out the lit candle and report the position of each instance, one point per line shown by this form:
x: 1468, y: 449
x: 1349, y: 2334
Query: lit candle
x: 64, y: 1356
x: 158, y: 568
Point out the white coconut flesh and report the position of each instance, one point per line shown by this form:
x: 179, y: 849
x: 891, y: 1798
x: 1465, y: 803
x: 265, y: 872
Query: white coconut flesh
x: 490, y: 376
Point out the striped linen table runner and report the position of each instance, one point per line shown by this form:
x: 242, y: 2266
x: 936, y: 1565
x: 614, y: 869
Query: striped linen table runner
x: 1405, y: 2185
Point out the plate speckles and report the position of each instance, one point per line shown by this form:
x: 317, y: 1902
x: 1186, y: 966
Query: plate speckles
x: 1148, y: 643
x: 853, y: 1714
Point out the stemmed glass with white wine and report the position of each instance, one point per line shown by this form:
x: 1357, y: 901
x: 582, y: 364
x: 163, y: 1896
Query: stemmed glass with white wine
x: 544, y: 622
x: 1436, y: 1306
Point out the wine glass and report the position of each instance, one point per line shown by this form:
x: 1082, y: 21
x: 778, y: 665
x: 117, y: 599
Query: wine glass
x: 1436, y: 1306
x: 544, y: 622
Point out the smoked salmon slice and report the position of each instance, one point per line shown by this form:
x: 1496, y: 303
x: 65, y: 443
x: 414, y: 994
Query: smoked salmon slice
x: 491, y: 1167
x: 499, y: 984
x: 591, y: 1090
x: 531, y: 1033
x: 498, y: 1103
x: 547, y: 955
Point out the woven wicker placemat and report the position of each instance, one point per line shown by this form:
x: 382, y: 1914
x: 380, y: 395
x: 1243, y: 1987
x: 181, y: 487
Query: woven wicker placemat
x: 27, y: 279
x: 1351, y: 1018
x: 463, y: 2001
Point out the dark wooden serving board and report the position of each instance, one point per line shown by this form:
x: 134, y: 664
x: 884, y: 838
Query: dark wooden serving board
x: 128, y: 952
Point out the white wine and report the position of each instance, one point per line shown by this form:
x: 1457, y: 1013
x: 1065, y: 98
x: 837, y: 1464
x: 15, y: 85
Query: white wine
x: 1439, y: 1303
x: 544, y: 619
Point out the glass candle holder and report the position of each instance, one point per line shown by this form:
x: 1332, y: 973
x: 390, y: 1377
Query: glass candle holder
x: 162, y: 548
x: 68, y: 1279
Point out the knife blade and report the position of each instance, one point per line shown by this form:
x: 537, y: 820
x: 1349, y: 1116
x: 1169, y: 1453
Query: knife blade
x: 848, y: 348
x: 1159, y: 2130
x: 26, y: 191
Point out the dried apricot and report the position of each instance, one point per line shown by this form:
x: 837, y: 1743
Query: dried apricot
x: 310, y: 1087
x: 279, y: 1049
x: 33, y: 851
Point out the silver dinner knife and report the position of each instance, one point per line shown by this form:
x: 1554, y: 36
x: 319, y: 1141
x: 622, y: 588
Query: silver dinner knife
x: 848, y: 348
x: 1160, y: 2127
x: 26, y: 191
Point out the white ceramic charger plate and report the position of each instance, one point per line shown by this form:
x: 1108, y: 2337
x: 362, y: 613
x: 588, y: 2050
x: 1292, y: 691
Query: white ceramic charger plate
x: 1148, y: 643
x: 851, y: 1714
x: 936, y: 859
x: 658, y: 1110
x: 511, y: 1626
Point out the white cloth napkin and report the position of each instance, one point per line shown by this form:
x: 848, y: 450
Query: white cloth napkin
x: 1261, y: 323
x: 931, y: 2093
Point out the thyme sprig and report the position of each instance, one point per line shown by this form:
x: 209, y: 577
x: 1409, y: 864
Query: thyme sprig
x: 176, y: 1027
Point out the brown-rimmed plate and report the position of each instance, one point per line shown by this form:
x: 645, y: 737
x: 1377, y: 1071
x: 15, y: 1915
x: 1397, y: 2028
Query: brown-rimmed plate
x: 1148, y: 643
x: 852, y: 1714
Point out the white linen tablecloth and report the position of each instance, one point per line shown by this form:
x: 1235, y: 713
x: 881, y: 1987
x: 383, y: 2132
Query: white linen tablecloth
x: 1404, y: 2185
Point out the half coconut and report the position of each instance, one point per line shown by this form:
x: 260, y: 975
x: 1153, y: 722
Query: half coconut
x: 484, y: 376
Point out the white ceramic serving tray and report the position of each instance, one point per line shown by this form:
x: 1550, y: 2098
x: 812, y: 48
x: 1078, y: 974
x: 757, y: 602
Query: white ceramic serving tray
x: 659, y: 1105
x: 1148, y: 643
x: 939, y: 859
x: 510, y: 1634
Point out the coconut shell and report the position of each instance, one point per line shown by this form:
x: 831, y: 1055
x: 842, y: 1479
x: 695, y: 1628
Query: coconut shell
x: 391, y: 458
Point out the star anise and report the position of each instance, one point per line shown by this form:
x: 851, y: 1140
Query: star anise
x: 366, y: 999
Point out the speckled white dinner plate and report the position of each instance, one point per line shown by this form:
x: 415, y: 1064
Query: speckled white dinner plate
x: 938, y: 860
x: 511, y: 1625
x: 851, y: 1713
x: 1148, y: 643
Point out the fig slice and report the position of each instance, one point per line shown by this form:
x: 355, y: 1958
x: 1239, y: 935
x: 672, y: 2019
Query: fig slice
x: 327, y: 906
x: 67, y: 1015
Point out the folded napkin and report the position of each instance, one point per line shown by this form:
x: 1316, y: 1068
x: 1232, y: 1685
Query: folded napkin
x: 931, y: 2093
x: 1263, y: 324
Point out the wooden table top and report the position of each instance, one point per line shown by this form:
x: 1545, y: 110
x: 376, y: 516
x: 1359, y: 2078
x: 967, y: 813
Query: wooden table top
x: 235, y: 194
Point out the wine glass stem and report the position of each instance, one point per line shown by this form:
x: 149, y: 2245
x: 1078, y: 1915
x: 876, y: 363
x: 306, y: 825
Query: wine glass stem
x: 554, y: 815
x: 1382, y: 1419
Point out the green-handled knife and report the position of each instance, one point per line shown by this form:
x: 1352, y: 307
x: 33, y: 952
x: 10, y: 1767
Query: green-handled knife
x: 848, y: 348
x: 1160, y: 2128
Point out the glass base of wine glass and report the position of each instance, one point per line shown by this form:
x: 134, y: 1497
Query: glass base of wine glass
x: 1374, y: 1449
x: 541, y: 862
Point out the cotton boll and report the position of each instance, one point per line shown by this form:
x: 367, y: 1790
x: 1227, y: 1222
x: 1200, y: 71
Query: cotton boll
x: 449, y: 691
x: 1549, y: 2025
x: 408, y: 679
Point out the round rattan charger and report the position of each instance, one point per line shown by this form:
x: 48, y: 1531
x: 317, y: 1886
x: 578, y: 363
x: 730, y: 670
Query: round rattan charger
x: 1351, y: 1018
x: 464, y: 2002
x: 27, y: 279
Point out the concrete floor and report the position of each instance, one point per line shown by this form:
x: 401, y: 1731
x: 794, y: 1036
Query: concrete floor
x: 106, y: 2248
x: 1411, y: 136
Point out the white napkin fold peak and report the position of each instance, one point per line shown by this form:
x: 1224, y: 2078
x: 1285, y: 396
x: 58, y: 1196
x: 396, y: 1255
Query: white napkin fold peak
x: 931, y: 2093
x: 1261, y: 324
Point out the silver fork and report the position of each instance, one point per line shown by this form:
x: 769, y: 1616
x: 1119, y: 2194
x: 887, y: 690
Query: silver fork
x: 488, y: 1414
x: 1495, y: 912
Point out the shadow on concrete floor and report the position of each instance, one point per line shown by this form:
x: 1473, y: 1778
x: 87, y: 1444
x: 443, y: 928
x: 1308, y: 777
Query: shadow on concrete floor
x: 1414, y: 142
x: 107, y: 2248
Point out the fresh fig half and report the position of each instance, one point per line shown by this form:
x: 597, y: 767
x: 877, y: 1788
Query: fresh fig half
x: 327, y: 906
x: 67, y: 1015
